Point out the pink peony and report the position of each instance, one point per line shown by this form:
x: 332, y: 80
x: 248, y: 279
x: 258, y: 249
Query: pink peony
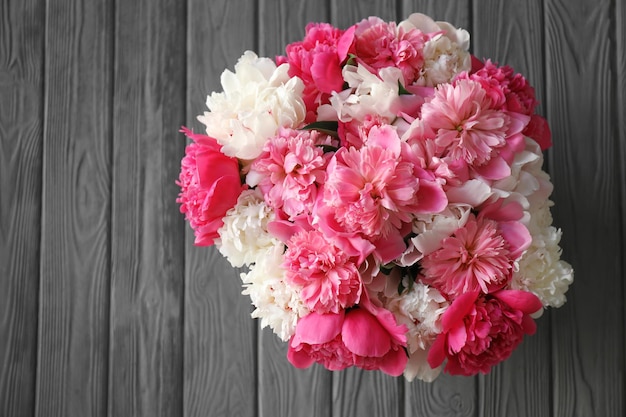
x: 368, y: 338
x: 372, y: 190
x: 510, y: 91
x: 477, y: 257
x: 316, y: 60
x: 466, y: 128
x: 290, y: 170
x: 379, y: 44
x: 328, y: 277
x: 209, y: 184
x: 480, y: 331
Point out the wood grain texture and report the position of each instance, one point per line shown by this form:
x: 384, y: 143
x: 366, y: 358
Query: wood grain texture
x: 74, y: 297
x: 456, y: 12
x: 511, y: 33
x: 220, y: 364
x: 620, y: 70
x: 147, y: 248
x: 357, y: 392
x: 283, y: 389
x: 588, y: 332
x: 21, y: 144
x: 347, y: 13
x: 284, y: 21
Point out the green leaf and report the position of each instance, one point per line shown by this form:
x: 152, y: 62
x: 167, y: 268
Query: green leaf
x: 402, y: 91
x: 351, y: 60
x: 328, y: 127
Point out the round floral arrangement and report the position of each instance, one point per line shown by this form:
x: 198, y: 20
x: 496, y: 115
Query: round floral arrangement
x: 384, y: 190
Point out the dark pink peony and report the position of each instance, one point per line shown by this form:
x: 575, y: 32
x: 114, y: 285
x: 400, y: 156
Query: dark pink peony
x: 368, y: 338
x: 480, y: 331
x: 209, y: 186
x: 379, y: 44
x: 317, y: 60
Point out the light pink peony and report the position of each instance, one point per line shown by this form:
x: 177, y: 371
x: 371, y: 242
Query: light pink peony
x: 372, y: 191
x: 209, y: 186
x: 379, y: 44
x: 467, y: 129
x: 480, y: 331
x: 510, y: 91
x: 316, y: 60
x: 368, y: 338
x: 329, y: 278
x: 477, y: 257
x: 290, y: 170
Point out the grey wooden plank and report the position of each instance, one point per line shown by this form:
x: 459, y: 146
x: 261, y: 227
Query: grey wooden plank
x: 347, y: 13
x: 147, y: 242
x: 283, y: 389
x: 21, y: 148
x: 220, y: 365
x: 75, y: 259
x: 511, y: 33
x: 620, y: 27
x: 580, y: 81
x: 447, y: 395
x: 284, y: 21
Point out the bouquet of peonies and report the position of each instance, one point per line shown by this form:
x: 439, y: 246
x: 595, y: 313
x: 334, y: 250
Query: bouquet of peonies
x: 384, y: 190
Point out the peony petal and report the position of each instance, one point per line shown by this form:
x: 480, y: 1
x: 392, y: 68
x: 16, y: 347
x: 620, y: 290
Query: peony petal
x: 472, y: 192
x: 460, y: 307
x: 457, y: 336
x: 496, y: 169
x: 430, y: 198
x: 363, y: 334
x: 525, y: 301
x: 316, y: 329
x: 437, y: 352
x: 394, y: 362
x: 326, y: 72
x: 298, y: 358
x: 518, y: 237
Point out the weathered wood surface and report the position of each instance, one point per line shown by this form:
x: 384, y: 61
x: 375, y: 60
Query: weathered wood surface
x: 107, y: 308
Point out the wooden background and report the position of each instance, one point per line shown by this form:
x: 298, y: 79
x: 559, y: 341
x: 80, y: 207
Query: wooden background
x: 107, y: 309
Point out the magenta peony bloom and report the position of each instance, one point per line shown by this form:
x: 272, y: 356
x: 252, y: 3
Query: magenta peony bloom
x: 209, y: 184
x: 379, y: 44
x: 329, y: 278
x: 290, y: 170
x: 477, y: 257
x: 368, y: 338
x: 316, y: 60
x: 480, y: 331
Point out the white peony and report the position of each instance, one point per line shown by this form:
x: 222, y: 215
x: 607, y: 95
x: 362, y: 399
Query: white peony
x: 258, y: 98
x: 541, y: 270
x: 244, y: 236
x: 446, y: 54
x: 368, y: 94
x: 420, y: 309
x: 277, y: 303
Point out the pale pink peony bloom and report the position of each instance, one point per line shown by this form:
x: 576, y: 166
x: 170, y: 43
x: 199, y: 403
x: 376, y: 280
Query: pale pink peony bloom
x: 480, y: 331
x: 372, y: 191
x: 290, y: 170
x: 209, y: 184
x: 477, y: 257
x: 368, y: 338
x: 316, y: 60
x: 379, y: 44
x: 464, y: 124
x: 329, y: 279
